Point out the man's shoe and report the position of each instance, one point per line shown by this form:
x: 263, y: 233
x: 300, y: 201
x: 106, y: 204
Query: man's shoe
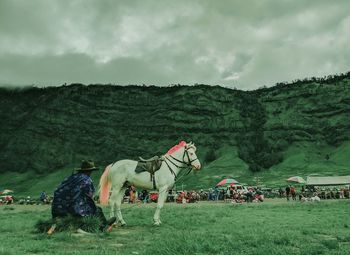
x: 111, y: 221
x: 109, y: 224
x: 82, y: 232
x: 52, y: 229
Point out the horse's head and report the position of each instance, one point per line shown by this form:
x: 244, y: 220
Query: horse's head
x: 190, y: 156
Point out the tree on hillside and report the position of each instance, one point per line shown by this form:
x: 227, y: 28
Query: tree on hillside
x: 210, y: 156
x: 253, y: 147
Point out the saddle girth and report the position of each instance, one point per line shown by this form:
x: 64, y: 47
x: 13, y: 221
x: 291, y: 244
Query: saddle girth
x: 151, y: 165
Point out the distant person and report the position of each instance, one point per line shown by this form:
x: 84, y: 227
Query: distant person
x: 127, y: 195
x: 42, y: 197
x: 280, y: 191
x: 250, y: 195
x: 74, y: 196
x: 287, y: 192
x: 28, y: 200
x: 216, y: 193
x: 8, y: 200
x: 346, y: 192
x: 211, y: 195
x: 293, y: 192
x: 153, y: 197
x: 222, y: 194
x: 132, y: 194
x: 144, y: 196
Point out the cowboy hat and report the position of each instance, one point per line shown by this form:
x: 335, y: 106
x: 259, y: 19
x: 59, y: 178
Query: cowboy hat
x: 87, y: 165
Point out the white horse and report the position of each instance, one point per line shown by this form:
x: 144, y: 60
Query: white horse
x: 119, y: 175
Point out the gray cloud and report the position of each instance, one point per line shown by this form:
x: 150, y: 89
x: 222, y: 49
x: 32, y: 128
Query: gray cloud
x: 245, y: 44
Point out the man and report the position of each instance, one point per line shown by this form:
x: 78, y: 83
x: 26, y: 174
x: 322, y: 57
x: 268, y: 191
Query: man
x: 43, y: 197
x: 293, y: 192
x: 249, y: 195
x: 287, y: 192
x: 280, y: 191
x: 74, y: 196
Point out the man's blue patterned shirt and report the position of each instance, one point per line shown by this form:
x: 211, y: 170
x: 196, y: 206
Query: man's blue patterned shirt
x: 74, y: 196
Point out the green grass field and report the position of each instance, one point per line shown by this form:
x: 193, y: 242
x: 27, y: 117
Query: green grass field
x: 272, y: 227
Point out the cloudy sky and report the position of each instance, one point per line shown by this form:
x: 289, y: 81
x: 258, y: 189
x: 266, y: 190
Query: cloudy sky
x: 234, y: 43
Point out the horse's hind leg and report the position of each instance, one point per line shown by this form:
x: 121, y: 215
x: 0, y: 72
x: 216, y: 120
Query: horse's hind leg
x: 116, y: 201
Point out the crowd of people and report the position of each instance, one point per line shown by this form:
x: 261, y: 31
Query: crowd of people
x: 313, y: 193
x: 213, y: 194
x: 236, y: 194
x: 43, y: 198
x: 184, y: 197
x: 6, y: 200
x: 132, y: 195
x: 240, y: 195
x: 250, y: 194
x: 233, y: 194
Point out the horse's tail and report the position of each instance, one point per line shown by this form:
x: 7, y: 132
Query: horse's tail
x: 105, y: 186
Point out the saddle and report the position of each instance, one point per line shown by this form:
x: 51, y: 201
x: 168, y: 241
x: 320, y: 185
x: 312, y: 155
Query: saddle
x: 150, y: 165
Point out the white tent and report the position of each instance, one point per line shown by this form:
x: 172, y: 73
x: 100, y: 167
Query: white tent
x: 328, y: 180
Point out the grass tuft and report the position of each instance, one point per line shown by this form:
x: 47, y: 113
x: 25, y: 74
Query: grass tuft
x: 9, y: 208
x: 331, y: 244
x: 69, y: 223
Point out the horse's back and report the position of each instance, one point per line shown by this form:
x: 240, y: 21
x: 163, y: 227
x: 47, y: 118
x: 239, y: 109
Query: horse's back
x: 123, y: 166
x: 120, y: 171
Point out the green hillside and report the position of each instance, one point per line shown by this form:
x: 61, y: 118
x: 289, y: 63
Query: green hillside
x: 271, y: 133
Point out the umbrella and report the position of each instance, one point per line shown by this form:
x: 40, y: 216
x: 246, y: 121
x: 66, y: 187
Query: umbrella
x: 227, y: 182
x: 6, y: 191
x: 296, y: 179
x: 234, y: 184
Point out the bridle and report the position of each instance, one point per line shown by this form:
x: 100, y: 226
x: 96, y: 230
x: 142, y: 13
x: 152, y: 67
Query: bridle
x: 172, y: 159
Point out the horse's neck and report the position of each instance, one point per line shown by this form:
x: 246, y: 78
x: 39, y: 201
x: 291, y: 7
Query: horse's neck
x: 178, y: 155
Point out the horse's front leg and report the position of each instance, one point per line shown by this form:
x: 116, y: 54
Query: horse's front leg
x: 162, y: 195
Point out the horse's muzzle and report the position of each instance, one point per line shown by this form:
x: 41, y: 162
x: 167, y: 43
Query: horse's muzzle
x: 196, y: 167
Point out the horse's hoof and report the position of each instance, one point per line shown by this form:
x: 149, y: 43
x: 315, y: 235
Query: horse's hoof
x: 156, y: 222
x: 123, y: 224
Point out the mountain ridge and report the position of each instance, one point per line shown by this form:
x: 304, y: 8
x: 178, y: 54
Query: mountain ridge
x: 45, y: 129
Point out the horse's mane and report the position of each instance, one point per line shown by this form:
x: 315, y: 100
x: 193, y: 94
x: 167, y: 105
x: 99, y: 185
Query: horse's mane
x: 176, y: 147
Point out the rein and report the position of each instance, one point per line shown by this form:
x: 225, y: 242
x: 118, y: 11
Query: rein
x: 188, y: 164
